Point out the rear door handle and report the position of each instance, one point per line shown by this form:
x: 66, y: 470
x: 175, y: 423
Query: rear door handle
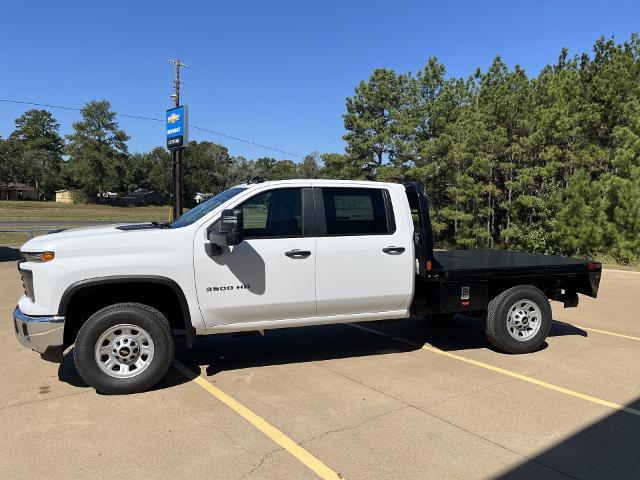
x: 295, y: 253
x: 393, y: 250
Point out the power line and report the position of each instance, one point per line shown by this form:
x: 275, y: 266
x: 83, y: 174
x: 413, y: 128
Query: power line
x: 138, y: 117
x: 245, y: 141
x: 226, y: 99
x: 263, y: 112
x: 270, y: 100
x: 141, y: 117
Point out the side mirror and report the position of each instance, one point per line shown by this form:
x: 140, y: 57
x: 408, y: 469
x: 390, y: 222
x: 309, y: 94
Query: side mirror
x: 228, y: 231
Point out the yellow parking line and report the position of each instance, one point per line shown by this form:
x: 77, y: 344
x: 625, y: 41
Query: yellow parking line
x: 519, y: 376
x: 589, y: 329
x: 261, y: 424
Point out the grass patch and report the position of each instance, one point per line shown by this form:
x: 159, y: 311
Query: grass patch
x: 15, y: 238
x: 610, y: 262
x: 21, y: 237
x: 26, y: 210
x: 17, y: 211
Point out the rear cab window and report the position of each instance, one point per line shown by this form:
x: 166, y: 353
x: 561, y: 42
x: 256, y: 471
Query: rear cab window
x: 357, y: 211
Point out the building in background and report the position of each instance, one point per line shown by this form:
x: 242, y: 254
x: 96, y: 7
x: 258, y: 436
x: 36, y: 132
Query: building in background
x: 64, y: 196
x: 17, y: 191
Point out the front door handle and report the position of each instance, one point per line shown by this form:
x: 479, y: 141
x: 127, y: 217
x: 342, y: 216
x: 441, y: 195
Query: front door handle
x: 393, y: 250
x: 295, y: 253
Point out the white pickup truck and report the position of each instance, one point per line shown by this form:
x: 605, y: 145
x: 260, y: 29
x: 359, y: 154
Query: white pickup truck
x: 267, y: 255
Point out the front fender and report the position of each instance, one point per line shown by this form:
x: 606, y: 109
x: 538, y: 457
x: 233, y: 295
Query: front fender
x: 68, y: 294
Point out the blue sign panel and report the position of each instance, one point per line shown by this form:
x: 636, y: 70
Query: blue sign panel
x: 177, y: 127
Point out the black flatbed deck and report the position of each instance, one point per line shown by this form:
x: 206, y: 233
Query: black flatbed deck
x: 467, y: 280
x: 481, y: 263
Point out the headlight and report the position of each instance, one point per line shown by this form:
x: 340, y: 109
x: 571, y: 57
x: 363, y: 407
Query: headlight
x: 38, y: 257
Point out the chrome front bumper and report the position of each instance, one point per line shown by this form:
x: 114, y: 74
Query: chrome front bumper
x: 42, y: 334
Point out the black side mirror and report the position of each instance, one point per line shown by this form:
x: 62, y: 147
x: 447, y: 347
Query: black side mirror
x: 228, y: 231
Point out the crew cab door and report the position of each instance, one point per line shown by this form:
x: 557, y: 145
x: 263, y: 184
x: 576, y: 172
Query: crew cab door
x: 270, y: 275
x: 365, y: 254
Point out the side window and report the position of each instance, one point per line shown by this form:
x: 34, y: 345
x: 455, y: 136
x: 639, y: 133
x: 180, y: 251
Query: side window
x: 355, y: 211
x: 277, y: 213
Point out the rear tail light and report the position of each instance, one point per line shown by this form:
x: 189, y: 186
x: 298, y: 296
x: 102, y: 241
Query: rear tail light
x: 594, y: 266
x: 428, y: 265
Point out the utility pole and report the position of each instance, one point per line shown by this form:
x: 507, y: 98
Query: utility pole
x: 176, y: 154
x: 176, y: 83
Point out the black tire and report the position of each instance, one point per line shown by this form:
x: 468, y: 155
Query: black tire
x: 144, y: 316
x: 496, y: 327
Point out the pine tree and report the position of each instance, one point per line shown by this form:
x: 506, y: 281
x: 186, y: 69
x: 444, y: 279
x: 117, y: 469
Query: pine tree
x: 97, y: 150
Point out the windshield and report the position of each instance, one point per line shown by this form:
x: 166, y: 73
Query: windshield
x: 201, y: 210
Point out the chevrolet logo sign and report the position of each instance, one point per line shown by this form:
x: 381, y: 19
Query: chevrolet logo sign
x: 173, y: 118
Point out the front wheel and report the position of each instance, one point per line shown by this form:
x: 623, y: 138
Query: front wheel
x: 124, y: 348
x: 518, y: 320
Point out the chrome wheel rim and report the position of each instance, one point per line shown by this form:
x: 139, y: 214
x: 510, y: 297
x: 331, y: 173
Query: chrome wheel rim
x: 524, y: 319
x: 124, y: 351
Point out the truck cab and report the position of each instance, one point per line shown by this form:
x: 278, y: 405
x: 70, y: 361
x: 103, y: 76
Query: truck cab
x: 308, y: 253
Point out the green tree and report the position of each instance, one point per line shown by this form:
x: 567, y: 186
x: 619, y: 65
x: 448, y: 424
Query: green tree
x: 38, y: 130
x: 309, y: 167
x: 371, y: 119
x: 262, y: 167
x: 548, y: 164
x: 582, y: 225
x: 243, y: 169
x: 37, y: 133
x: 159, y: 170
x: 284, y: 170
x: 341, y: 167
x: 97, y: 151
x: 208, y: 168
x: 11, y: 165
x: 137, y: 171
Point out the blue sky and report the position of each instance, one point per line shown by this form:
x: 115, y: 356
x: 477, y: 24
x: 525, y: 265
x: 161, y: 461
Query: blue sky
x: 276, y: 73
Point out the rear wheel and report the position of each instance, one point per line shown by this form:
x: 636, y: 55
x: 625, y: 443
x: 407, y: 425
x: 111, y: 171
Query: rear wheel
x: 124, y: 348
x: 518, y: 320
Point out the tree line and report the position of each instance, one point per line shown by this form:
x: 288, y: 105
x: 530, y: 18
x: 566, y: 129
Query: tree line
x: 95, y: 159
x: 547, y: 163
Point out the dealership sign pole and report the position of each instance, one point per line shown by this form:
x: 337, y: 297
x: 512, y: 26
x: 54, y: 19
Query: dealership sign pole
x: 177, y: 129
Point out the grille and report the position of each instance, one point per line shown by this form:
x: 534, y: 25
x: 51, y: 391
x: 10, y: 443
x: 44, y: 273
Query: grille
x: 27, y: 284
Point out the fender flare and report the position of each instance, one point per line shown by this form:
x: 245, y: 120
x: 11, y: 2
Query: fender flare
x: 68, y: 294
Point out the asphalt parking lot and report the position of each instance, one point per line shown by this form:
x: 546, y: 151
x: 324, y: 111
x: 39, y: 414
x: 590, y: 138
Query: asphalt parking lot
x: 403, y: 400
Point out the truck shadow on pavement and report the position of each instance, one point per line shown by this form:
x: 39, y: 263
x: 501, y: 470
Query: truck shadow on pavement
x: 329, y: 342
x: 67, y: 372
x: 608, y: 448
x: 226, y: 352
x: 463, y: 333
